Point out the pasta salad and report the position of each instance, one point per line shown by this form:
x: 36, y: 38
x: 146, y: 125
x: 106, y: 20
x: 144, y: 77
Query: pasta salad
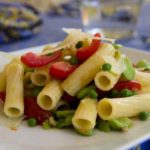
x: 84, y: 82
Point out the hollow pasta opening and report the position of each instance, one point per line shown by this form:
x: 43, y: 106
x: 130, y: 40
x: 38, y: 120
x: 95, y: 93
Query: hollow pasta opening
x: 104, y: 81
x: 105, y: 109
x: 46, y: 102
x: 83, y: 123
x: 13, y: 112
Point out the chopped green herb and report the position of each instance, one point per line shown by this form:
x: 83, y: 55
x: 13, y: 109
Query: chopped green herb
x: 32, y: 122
x: 106, y: 67
x: 143, y: 116
x: 79, y: 44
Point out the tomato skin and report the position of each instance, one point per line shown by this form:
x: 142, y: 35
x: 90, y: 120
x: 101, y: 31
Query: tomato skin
x: 33, y: 110
x: 32, y: 60
x: 130, y: 85
x: 2, y: 96
x: 85, y: 52
x: 60, y: 70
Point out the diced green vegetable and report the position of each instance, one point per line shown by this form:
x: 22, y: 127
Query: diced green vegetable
x: 79, y: 44
x: 143, y: 63
x: 114, y: 94
x: 103, y: 126
x: 126, y: 93
x: 74, y: 60
x: 84, y: 132
x: 32, y: 122
x: 84, y: 92
x: 93, y: 94
x: 36, y: 91
x: 106, y: 67
x: 120, y: 124
x: 64, y: 113
x: 143, y: 116
x: 46, y: 125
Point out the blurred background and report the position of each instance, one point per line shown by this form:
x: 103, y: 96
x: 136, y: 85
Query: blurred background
x: 36, y: 22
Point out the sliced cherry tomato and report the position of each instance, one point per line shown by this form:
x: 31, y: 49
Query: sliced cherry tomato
x: 33, y: 110
x: 2, y: 96
x: 32, y: 60
x: 130, y: 85
x: 85, y: 52
x: 61, y: 69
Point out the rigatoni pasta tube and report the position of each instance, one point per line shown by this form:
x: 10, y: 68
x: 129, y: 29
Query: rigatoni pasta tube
x: 50, y: 95
x: 105, y: 80
x: 123, y: 107
x: 14, y: 105
x: 40, y: 76
x: 84, y: 118
x: 85, y: 73
x: 142, y: 77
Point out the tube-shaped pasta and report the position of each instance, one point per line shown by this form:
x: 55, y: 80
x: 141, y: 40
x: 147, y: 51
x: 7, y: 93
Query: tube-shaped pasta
x: 142, y: 77
x: 27, y: 81
x: 123, y: 107
x: 85, y: 73
x: 40, y: 76
x: 50, y: 95
x: 14, y: 105
x: 144, y: 89
x: 84, y: 118
x: 2, y: 81
x: 105, y: 80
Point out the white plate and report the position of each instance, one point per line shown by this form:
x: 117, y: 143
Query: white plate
x: 26, y: 138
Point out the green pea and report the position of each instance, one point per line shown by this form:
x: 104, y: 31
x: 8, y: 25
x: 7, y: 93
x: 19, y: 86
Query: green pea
x: 143, y: 116
x: 36, y: 91
x: 93, y: 94
x: 125, y: 93
x: 106, y: 67
x: 32, y: 122
x: 46, y: 125
x: 74, y: 60
x: 114, y: 93
x: 79, y: 44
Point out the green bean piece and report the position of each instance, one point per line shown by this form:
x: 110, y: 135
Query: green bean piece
x: 143, y: 116
x: 32, y: 122
x: 64, y: 113
x: 93, y: 94
x: 46, y: 125
x: 103, y: 126
x: 143, y: 63
x: 84, y: 92
x: 114, y: 94
x: 106, y: 67
x: 36, y: 91
x: 79, y: 44
x: 126, y: 93
x: 74, y: 60
x: 85, y: 132
x: 120, y: 124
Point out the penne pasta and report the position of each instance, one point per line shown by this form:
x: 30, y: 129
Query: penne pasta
x: 105, y: 80
x: 123, y: 107
x: 142, y: 77
x: 40, y: 76
x: 84, y: 118
x: 50, y: 95
x: 85, y: 73
x: 14, y: 105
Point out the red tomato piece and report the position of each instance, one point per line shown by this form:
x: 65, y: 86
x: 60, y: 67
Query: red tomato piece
x: 130, y: 85
x: 61, y: 69
x: 32, y: 60
x: 33, y: 110
x: 2, y: 96
x: 85, y: 52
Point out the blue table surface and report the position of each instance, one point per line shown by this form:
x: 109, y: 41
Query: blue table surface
x: 51, y: 31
